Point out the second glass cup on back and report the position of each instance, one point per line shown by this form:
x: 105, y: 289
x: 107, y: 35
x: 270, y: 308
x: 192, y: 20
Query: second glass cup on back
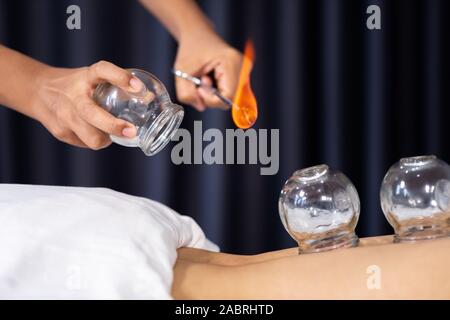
x: 415, y: 198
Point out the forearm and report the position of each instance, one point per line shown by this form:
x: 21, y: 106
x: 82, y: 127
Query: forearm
x: 407, y: 271
x: 19, y: 76
x: 183, y: 18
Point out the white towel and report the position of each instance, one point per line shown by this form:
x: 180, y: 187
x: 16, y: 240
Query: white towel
x: 89, y: 243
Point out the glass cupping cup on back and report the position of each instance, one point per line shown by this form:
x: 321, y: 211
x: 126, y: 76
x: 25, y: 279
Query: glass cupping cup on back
x: 415, y: 198
x: 152, y: 112
x: 319, y: 208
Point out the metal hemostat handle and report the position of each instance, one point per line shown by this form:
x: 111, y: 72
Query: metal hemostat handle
x: 198, y: 83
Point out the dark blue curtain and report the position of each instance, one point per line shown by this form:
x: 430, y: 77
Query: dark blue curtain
x: 340, y: 94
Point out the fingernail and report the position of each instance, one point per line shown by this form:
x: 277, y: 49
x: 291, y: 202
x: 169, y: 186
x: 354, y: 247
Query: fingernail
x: 135, y: 84
x: 129, y: 132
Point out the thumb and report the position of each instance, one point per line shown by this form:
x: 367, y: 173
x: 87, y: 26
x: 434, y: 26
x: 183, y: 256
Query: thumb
x: 106, y: 71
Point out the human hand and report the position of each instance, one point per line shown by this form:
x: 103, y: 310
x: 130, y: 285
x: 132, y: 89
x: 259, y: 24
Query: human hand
x: 201, y: 54
x: 63, y: 104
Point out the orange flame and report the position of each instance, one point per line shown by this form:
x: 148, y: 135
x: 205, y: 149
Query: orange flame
x: 245, y: 109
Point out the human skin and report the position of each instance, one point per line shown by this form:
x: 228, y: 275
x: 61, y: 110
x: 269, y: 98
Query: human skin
x: 61, y: 99
x: 201, y: 52
x: 406, y: 271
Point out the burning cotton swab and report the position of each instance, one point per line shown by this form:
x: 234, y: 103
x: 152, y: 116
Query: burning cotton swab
x: 244, y: 110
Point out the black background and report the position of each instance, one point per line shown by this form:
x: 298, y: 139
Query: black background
x: 340, y: 94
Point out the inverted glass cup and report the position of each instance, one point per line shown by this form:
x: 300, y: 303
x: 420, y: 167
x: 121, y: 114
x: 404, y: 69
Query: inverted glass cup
x: 319, y: 208
x: 152, y: 112
x: 415, y: 198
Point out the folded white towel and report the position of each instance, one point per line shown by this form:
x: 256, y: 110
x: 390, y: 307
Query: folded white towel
x: 89, y: 243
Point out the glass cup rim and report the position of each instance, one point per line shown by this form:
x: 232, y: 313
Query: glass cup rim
x: 311, y: 173
x: 417, y: 160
